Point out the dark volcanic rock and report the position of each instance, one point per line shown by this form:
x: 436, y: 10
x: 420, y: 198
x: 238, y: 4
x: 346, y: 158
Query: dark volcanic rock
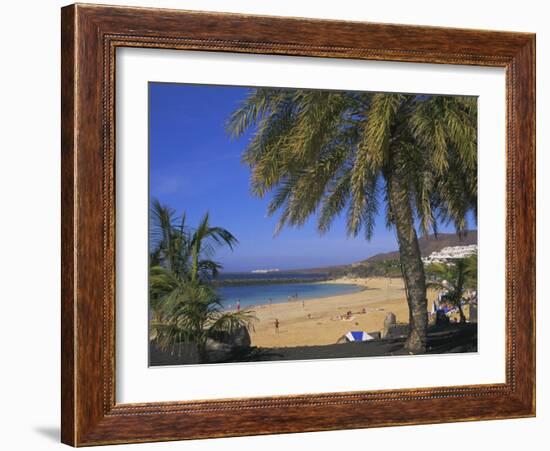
x: 398, y: 331
x: 240, y: 338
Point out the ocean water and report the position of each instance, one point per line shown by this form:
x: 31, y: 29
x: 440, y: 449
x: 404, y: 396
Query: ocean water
x: 250, y: 276
x: 259, y: 294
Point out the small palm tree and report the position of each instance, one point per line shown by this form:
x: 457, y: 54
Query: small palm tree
x: 326, y: 152
x: 192, y: 312
x: 186, y: 308
x: 454, y: 278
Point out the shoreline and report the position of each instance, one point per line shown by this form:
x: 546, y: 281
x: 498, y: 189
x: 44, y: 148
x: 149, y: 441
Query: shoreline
x: 361, y: 286
x: 360, y: 281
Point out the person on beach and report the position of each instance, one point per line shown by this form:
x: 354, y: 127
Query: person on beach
x: 238, y: 305
x: 270, y: 301
x: 276, y: 325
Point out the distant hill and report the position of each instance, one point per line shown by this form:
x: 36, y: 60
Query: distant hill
x: 432, y: 244
x: 427, y: 245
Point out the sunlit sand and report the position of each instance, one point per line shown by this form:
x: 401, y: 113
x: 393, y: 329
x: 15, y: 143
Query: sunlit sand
x: 324, y: 321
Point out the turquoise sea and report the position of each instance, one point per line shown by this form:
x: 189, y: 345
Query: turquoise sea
x: 261, y: 293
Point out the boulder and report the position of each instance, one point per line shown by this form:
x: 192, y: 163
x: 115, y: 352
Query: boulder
x: 239, y: 338
x: 217, y: 346
x: 398, y: 331
x: 389, y: 321
x: 222, y: 346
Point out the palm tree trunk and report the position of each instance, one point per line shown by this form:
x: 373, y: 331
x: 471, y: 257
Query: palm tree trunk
x: 411, y: 264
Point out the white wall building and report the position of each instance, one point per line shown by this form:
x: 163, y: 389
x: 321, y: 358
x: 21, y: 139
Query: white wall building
x: 450, y: 253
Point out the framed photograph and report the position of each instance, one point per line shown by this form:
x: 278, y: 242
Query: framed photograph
x: 278, y: 225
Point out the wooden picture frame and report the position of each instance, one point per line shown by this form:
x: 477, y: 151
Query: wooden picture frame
x: 90, y: 36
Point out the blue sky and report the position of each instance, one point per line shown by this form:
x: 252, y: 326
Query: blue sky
x: 195, y: 168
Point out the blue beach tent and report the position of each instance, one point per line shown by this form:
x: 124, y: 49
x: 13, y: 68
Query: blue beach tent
x: 354, y: 335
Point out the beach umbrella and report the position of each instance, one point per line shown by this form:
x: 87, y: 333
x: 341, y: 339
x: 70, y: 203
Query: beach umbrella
x: 354, y: 335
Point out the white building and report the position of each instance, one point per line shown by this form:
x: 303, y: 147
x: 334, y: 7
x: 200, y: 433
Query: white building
x: 450, y: 253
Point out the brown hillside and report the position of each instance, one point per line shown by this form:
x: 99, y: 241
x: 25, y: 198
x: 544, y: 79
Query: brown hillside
x: 427, y: 246
x: 432, y: 244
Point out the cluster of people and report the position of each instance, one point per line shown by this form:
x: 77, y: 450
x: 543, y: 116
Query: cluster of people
x: 445, y: 311
x: 348, y: 316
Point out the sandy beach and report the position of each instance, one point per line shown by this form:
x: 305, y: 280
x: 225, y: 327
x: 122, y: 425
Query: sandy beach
x: 315, y: 321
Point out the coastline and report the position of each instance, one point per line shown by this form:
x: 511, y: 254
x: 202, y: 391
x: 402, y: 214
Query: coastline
x: 359, y: 281
x: 304, y: 290
x: 321, y: 321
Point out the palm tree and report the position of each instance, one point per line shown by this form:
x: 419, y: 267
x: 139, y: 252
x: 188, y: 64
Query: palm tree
x: 186, y: 308
x: 454, y: 277
x: 183, y: 251
x: 323, y: 152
